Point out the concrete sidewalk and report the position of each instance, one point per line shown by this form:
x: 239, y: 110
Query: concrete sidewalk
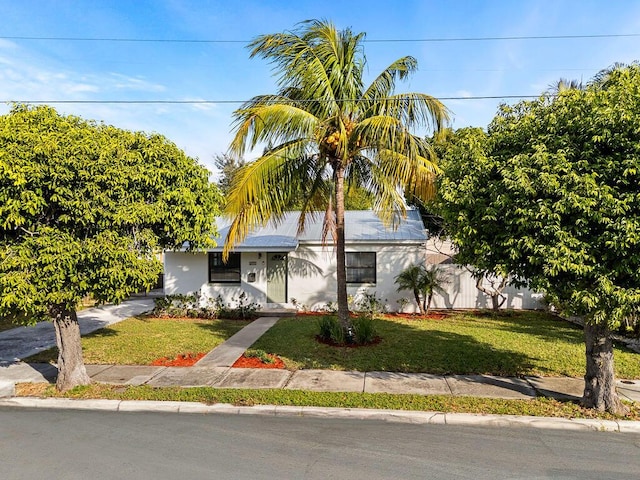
x: 563, y: 388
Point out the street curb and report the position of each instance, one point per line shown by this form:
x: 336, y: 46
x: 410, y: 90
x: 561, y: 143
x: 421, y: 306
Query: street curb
x: 7, y: 388
x: 392, y: 416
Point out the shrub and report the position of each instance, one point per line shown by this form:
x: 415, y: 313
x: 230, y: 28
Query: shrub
x: 369, y: 304
x: 178, y: 305
x: 193, y: 306
x: 364, y: 329
x: 260, y: 354
x: 330, y: 329
x: 243, y: 309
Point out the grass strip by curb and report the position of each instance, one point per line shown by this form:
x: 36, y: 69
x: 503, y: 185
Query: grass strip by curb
x: 540, y: 406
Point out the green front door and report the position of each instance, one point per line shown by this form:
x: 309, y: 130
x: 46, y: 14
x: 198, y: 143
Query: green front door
x: 277, y: 278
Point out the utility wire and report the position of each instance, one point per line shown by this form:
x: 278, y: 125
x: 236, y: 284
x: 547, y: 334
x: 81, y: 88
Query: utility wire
x: 210, y: 102
x: 382, y: 40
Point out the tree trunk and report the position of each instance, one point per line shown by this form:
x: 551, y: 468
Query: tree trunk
x: 427, y: 302
x: 599, y: 381
x: 71, y: 369
x: 494, y: 293
x: 416, y: 295
x: 341, y: 271
x: 495, y: 306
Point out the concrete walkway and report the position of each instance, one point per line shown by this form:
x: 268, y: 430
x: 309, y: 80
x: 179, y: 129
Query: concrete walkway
x: 214, y: 370
x: 226, y: 354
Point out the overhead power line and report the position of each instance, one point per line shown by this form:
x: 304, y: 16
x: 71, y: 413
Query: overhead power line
x: 380, y: 40
x: 211, y: 102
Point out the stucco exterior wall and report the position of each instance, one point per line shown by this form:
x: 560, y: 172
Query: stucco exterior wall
x: 312, y: 279
x: 311, y: 275
x: 188, y: 272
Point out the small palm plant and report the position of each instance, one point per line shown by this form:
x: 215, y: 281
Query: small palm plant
x: 433, y: 279
x: 410, y: 279
x: 423, y: 283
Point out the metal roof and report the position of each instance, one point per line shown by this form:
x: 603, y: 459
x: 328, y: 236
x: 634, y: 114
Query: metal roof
x: 361, y: 226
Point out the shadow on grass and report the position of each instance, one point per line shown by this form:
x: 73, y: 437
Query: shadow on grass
x: 541, y: 325
x: 404, y: 348
x: 223, y: 327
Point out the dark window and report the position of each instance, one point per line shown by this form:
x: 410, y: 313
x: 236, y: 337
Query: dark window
x: 220, y: 272
x: 361, y: 267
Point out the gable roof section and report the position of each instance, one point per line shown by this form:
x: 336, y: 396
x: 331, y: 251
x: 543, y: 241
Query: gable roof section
x: 361, y: 226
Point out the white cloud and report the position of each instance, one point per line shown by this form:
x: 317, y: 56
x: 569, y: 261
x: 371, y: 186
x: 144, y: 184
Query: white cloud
x: 124, y: 82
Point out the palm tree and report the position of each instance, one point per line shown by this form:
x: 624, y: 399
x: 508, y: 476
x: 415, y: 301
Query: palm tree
x: 411, y: 279
x: 326, y: 129
x: 433, y: 279
x: 423, y: 282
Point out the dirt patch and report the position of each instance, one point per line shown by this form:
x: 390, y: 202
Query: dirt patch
x: 31, y: 389
x: 183, y: 360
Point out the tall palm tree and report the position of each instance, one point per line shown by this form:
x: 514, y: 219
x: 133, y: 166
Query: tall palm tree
x: 325, y: 128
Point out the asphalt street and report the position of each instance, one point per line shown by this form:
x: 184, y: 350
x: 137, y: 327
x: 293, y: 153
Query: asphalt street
x: 96, y: 445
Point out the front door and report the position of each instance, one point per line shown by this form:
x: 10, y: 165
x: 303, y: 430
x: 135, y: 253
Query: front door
x: 277, y: 278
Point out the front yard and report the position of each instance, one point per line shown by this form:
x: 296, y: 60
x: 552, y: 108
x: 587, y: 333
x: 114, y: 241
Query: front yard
x: 512, y: 343
x: 141, y: 340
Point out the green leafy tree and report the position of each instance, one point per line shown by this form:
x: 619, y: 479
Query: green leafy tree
x: 227, y: 166
x: 461, y: 153
x: 83, y: 209
x: 552, y: 196
x: 328, y: 129
x: 433, y: 280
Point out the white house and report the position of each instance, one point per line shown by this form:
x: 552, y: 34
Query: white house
x: 275, y: 267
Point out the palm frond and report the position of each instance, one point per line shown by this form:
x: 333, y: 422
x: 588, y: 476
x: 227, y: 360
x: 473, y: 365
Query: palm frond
x: 260, y: 191
x: 264, y: 122
x: 413, y: 110
x: 385, y: 82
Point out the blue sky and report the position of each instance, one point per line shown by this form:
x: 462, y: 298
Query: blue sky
x: 92, y: 71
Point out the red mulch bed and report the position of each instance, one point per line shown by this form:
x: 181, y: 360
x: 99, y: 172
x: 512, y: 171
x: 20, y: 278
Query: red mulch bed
x: 182, y: 360
x: 408, y: 316
x: 255, y: 362
x: 417, y: 316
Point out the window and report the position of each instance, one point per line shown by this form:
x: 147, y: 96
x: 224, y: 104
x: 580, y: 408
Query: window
x: 220, y: 272
x: 361, y: 267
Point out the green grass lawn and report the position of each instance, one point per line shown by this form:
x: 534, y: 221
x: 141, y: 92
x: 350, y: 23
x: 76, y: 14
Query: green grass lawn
x: 440, y: 403
x: 140, y: 340
x: 511, y: 343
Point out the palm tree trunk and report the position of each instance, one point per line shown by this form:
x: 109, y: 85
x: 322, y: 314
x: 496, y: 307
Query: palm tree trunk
x: 428, y: 299
x: 341, y: 270
x: 416, y: 295
x: 71, y: 369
